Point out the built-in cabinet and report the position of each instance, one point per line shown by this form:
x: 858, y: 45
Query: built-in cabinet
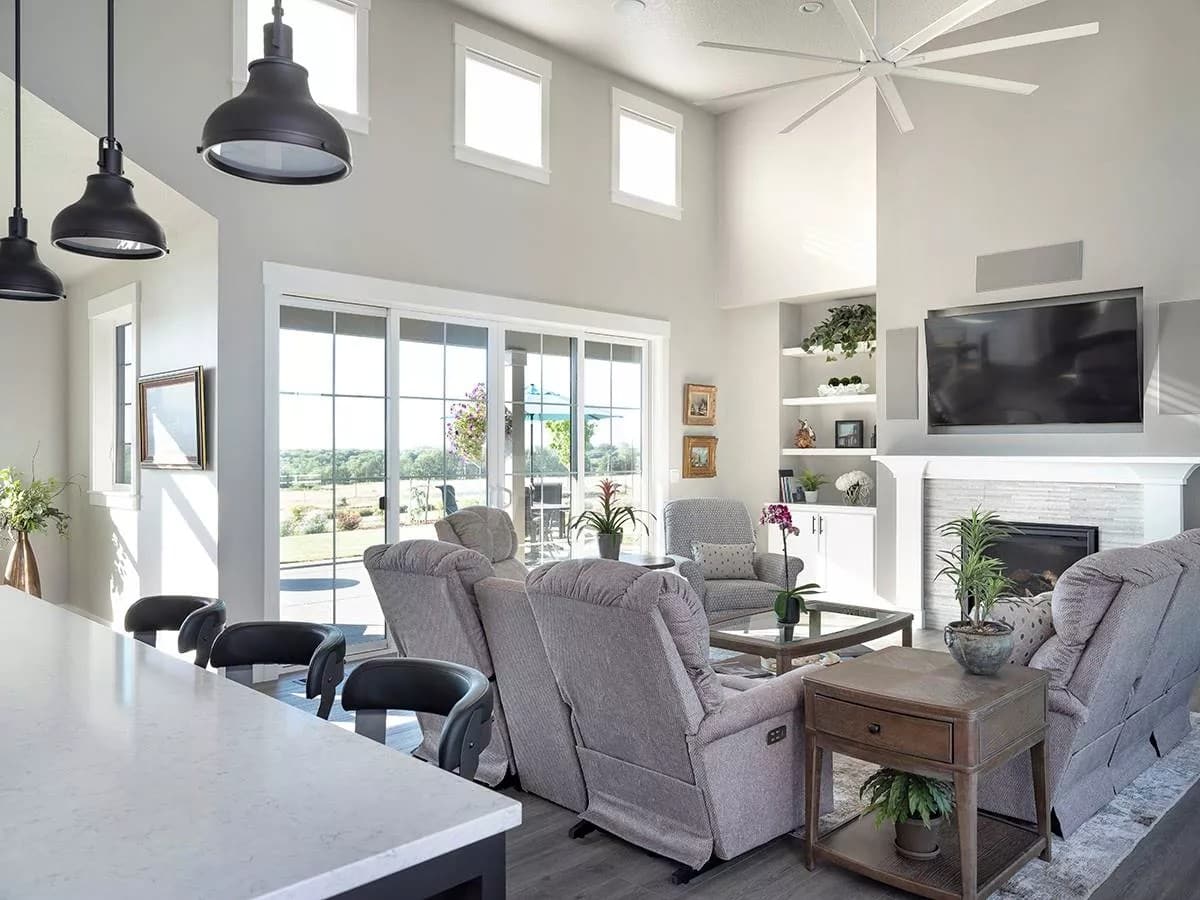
x: 837, y: 545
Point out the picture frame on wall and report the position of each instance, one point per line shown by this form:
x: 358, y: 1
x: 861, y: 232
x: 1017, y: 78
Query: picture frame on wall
x: 699, y: 404
x: 699, y: 456
x: 848, y: 433
x: 171, y: 414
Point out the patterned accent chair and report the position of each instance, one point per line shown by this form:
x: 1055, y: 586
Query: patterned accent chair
x: 488, y: 531
x: 1123, y: 660
x: 675, y: 757
x: 713, y: 521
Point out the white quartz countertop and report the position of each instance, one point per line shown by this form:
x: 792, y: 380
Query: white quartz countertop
x: 125, y: 772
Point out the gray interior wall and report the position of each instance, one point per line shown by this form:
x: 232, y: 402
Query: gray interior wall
x: 1103, y: 153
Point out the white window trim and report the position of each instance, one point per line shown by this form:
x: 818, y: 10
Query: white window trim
x: 467, y: 40
x: 659, y: 115
x: 105, y: 313
x: 355, y: 121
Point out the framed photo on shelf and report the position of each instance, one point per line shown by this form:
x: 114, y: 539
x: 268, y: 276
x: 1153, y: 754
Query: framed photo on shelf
x: 171, y: 420
x: 699, y: 456
x: 699, y: 404
x: 848, y: 433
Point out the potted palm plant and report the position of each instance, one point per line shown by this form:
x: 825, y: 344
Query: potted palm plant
x: 789, y: 602
x: 978, y: 644
x: 915, y: 804
x: 27, y: 507
x: 810, y: 483
x: 610, y: 520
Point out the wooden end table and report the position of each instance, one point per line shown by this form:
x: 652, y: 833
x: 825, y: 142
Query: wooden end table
x: 918, y: 711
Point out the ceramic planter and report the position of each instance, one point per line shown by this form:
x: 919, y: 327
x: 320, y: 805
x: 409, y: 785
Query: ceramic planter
x: 609, y: 545
x: 810, y: 496
x: 979, y: 653
x: 791, y: 612
x: 916, y: 841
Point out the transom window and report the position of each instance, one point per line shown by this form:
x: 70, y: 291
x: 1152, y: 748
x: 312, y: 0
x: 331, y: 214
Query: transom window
x: 647, y: 155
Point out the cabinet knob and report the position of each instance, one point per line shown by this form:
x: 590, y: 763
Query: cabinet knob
x: 873, y: 728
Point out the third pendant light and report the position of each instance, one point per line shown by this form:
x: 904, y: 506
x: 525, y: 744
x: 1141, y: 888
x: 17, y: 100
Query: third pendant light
x: 106, y: 221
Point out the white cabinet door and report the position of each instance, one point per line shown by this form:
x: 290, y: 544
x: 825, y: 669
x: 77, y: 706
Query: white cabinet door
x: 804, y: 546
x: 848, y: 542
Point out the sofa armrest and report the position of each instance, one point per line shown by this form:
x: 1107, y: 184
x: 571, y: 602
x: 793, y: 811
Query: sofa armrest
x: 1065, y: 703
x: 690, y: 569
x: 769, y: 567
x: 766, y: 700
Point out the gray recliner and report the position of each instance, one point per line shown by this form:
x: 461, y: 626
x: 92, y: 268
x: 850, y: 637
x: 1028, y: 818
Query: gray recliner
x: 675, y: 757
x: 714, y: 521
x: 488, y: 531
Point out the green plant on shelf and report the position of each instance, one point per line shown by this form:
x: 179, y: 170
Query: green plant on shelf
x: 842, y: 331
x: 895, y: 796
x: 811, y: 481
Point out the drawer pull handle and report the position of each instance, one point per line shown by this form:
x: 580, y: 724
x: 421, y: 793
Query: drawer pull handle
x: 873, y: 728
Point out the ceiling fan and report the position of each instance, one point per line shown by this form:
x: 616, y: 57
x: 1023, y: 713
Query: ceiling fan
x: 903, y: 61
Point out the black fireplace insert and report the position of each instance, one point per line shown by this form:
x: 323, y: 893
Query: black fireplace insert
x: 1036, y: 554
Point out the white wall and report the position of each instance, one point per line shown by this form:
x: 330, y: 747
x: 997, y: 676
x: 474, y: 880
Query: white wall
x: 1104, y: 152
x: 796, y: 212
x: 169, y: 545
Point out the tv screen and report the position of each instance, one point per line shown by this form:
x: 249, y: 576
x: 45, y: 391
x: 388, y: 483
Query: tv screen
x: 1048, y: 363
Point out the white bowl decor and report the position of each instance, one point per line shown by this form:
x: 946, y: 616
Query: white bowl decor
x: 842, y: 390
x: 855, y: 487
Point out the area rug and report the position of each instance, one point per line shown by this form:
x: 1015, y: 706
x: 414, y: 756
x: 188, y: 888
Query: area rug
x: 1084, y: 861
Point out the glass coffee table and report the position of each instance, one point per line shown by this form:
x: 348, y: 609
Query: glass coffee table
x: 827, y: 626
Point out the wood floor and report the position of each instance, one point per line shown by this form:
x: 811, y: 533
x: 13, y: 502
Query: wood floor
x: 545, y: 864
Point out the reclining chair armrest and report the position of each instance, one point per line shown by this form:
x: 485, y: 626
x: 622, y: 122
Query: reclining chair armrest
x: 769, y: 567
x: 767, y: 700
x: 1065, y: 703
x: 690, y: 570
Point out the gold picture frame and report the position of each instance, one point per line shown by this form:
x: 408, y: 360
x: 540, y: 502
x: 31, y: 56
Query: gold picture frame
x: 699, y: 404
x: 699, y: 456
x: 171, y: 432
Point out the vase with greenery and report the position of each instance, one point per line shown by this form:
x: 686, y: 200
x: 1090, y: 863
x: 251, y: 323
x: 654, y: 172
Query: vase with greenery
x: 610, y: 520
x: 27, y: 506
x: 980, y: 645
x: 842, y: 331
x: 789, y: 602
x: 916, y: 805
x: 810, y: 483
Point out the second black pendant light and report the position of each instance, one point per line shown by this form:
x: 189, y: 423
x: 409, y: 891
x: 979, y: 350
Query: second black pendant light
x: 106, y: 221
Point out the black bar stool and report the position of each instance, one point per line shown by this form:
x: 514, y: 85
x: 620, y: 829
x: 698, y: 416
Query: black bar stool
x: 322, y: 648
x: 197, y: 619
x: 462, y: 694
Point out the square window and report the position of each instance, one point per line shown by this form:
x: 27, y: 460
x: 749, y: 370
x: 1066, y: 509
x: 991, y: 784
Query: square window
x: 647, y: 151
x: 501, y: 106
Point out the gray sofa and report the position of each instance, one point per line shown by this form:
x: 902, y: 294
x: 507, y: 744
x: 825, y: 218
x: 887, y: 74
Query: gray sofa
x: 443, y: 601
x: 674, y: 756
x: 714, y: 521
x: 488, y: 531
x: 1123, y: 659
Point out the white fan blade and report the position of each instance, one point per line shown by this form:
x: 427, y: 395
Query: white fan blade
x: 858, y: 29
x: 824, y: 103
x: 1008, y: 43
x: 770, y: 51
x: 965, y: 80
x: 952, y: 19
x: 895, y: 103
x: 778, y: 87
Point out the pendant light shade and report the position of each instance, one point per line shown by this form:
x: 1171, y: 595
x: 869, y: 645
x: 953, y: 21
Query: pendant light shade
x: 22, y: 274
x: 274, y: 131
x: 106, y: 221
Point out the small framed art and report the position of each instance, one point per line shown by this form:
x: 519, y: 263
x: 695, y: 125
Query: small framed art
x: 699, y: 456
x: 848, y: 433
x: 699, y: 404
x: 171, y: 420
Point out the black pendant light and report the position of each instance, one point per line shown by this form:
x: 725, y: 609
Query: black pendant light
x: 22, y: 275
x: 274, y: 131
x: 106, y: 221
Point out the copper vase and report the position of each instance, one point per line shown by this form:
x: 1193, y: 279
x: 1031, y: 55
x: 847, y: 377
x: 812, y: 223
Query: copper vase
x: 22, y: 569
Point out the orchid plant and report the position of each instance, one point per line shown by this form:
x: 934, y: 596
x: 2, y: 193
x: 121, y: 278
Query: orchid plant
x: 780, y: 516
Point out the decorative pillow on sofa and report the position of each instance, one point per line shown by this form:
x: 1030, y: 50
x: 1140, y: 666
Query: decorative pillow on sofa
x: 1032, y: 626
x: 725, y: 561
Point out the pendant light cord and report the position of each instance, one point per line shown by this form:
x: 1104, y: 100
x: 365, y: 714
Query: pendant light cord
x: 112, y: 128
x: 17, y: 108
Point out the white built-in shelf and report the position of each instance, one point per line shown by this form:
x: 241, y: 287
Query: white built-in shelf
x: 829, y: 451
x: 831, y: 400
x: 816, y: 352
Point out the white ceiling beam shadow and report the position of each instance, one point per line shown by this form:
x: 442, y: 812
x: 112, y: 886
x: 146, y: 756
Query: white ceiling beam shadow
x: 895, y: 103
x: 822, y: 104
x: 950, y: 20
x: 1005, y: 43
x: 965, y: 80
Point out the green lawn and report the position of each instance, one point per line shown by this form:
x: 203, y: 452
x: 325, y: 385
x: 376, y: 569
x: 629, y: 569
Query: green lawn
x: 311, y: 547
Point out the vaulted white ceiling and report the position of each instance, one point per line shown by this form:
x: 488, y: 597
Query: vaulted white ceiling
x: 658, y: 45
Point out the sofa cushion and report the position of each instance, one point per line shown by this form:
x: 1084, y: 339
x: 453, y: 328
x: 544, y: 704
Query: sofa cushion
x: 739, y: 594
x: 1031, y: 621
x: 724, y: 561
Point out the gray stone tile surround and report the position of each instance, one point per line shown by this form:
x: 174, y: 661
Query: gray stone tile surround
x: 1117, y: 509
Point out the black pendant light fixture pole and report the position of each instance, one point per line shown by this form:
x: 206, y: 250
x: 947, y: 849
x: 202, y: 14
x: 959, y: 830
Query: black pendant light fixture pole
x: 22, y: 274
x: 274, y: 131
x: 106, y: 221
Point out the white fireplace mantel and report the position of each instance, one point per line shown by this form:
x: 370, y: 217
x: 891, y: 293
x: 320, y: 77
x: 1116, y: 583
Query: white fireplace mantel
x: 1163, y: 478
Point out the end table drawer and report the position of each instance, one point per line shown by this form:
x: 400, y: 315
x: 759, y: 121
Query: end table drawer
x: 926, y: 738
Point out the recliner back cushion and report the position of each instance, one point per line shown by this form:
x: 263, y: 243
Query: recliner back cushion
x: 483, y: 529
x: 706, y: 521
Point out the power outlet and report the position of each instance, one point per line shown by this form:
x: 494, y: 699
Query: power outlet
x: 775, y: 735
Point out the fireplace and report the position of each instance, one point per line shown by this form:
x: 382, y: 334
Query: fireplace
x: 1036, y: 555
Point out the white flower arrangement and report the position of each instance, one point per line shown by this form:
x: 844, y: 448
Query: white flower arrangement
x: 855, y: 487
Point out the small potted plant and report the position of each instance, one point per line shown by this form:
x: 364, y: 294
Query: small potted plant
x: 610, y: 520
x: 916, y: 805
x: 789, y: 602
x: 978, y: 644
x: 811, y: 482
x: 27, y: 507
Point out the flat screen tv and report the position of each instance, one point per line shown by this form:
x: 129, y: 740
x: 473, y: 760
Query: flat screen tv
x: 1072, y: 360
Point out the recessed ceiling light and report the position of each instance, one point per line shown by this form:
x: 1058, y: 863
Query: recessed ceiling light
x: 813, y: 6
x: 629, y: 7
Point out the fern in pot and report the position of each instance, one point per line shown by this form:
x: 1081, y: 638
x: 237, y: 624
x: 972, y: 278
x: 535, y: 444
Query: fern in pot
x: 610, y: 520
x: 916, y: 805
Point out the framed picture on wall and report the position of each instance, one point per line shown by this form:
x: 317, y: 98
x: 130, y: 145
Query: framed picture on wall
x: 171, y: 420
x: 848, y: 433
x: 699, y: 456
x: 699, y: 404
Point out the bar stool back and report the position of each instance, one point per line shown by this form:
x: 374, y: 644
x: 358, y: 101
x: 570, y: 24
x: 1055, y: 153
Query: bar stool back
x: 197, y: 619
x: 322, y: 648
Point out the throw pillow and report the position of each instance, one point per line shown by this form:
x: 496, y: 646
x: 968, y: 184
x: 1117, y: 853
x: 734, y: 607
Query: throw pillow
x: 1032, y: 626
x: 725, y: 561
